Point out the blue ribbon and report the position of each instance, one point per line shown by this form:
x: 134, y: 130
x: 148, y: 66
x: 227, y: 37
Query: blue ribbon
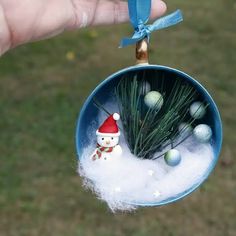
x: 139, y: 12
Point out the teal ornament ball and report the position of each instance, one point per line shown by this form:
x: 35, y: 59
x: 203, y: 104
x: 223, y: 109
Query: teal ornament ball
x: 202, y: 133
x: 172, y: 157
x: 154, y: 99
x: 145, y: 87
x: 197, y: 110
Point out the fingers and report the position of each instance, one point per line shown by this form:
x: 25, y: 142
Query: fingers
x: 117, y: 12
x: 103, y: 12
x: 110, y: 13
x: 158, y: 8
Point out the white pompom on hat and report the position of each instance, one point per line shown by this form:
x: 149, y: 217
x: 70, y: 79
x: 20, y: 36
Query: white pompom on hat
x: 116, y: 116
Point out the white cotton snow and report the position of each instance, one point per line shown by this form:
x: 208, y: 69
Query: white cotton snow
x: 125, y: 181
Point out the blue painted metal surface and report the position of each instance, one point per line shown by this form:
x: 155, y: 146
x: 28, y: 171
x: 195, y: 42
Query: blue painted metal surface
x: 103, y: 92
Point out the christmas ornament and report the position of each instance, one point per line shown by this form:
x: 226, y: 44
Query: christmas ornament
x: 202, y: 133
x: 197, y: 110
x: 136, y: 174
x: 172, y: 157
x: 154, y: 100
x: 108, y: 139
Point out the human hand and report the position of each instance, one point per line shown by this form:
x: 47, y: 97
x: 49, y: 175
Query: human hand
x: 24, y: 21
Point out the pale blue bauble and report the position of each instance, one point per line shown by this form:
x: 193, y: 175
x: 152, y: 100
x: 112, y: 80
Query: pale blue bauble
x: 202, y: 133
x: 154, y: 99
x: 144, y: 87
x: 197, y: 110
x: 172, y: 157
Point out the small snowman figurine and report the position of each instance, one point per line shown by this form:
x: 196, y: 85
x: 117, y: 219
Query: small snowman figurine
x: 108, y: 139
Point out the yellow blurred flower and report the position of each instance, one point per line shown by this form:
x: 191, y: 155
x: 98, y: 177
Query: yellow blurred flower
x: 93, y: 34
x: 70, y: 56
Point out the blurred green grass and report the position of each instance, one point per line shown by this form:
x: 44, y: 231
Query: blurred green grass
x: 42, y: 88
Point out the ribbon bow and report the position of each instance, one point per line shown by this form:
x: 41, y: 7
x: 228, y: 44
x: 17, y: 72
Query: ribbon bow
x: 139, y: 12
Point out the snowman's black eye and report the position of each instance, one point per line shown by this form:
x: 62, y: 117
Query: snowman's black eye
x: 112, y: 138
x: 102, y: 138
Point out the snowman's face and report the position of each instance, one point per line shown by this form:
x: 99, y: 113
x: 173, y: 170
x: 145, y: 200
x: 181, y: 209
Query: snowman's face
x: 107, y: 141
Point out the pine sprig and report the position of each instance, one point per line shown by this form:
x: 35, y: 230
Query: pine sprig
x: 148, y: 130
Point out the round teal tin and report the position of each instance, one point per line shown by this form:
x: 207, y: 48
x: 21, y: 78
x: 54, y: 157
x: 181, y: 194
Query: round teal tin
x: 103, y: 92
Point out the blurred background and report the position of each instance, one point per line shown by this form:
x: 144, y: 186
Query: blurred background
x: 42, y: 88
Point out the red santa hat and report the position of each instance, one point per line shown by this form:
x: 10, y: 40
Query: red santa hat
x: 109, y: 126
